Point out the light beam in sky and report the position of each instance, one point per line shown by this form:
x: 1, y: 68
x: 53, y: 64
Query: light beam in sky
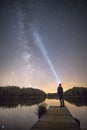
x: 41, y: 46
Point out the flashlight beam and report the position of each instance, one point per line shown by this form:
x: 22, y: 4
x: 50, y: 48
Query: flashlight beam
x: 41, y: 46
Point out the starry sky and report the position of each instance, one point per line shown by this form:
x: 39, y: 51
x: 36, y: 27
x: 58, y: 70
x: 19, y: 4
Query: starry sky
x: 62, y: 27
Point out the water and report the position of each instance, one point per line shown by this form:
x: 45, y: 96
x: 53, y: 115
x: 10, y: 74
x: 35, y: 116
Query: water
x: 24, y: 117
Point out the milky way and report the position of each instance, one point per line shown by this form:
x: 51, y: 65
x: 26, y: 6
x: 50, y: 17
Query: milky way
x: 63, y: 28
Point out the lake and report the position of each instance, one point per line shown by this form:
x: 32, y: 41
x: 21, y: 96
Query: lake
x: 23, y: 117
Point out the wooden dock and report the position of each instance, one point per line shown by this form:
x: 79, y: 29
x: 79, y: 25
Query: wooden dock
x: 56, y: 118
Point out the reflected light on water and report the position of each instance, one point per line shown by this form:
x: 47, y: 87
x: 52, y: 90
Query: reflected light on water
x: 24, y: 117
x: 21, y: 118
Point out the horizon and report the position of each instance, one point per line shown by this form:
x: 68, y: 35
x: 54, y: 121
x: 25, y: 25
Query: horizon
x: 41, y: 89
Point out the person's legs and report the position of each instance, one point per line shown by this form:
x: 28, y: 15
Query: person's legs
x: 63, y: 102
x: 60, y: 102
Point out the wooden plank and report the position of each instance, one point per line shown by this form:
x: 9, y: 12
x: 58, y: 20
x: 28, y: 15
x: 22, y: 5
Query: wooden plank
x: 56, y: 118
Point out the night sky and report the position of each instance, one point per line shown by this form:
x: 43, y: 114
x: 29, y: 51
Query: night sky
x: 62, y: 27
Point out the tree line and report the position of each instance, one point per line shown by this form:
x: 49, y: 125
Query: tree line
x: 76, y: 92
x: 73, y: 92
x: 12, y: 96
x: 14, y: 91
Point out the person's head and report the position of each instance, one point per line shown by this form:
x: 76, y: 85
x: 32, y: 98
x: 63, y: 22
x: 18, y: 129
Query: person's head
x: 60, y: 85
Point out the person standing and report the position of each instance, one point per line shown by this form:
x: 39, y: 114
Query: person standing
x: 60, y: 93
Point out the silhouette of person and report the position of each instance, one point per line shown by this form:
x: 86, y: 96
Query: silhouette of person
x: 60, y: 93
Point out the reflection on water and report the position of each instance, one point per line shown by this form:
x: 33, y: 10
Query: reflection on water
x: 23, y: 101
x: 78, y: 112
x: 78, y: 101
x: 19, y: 118
x: 24, y: 117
